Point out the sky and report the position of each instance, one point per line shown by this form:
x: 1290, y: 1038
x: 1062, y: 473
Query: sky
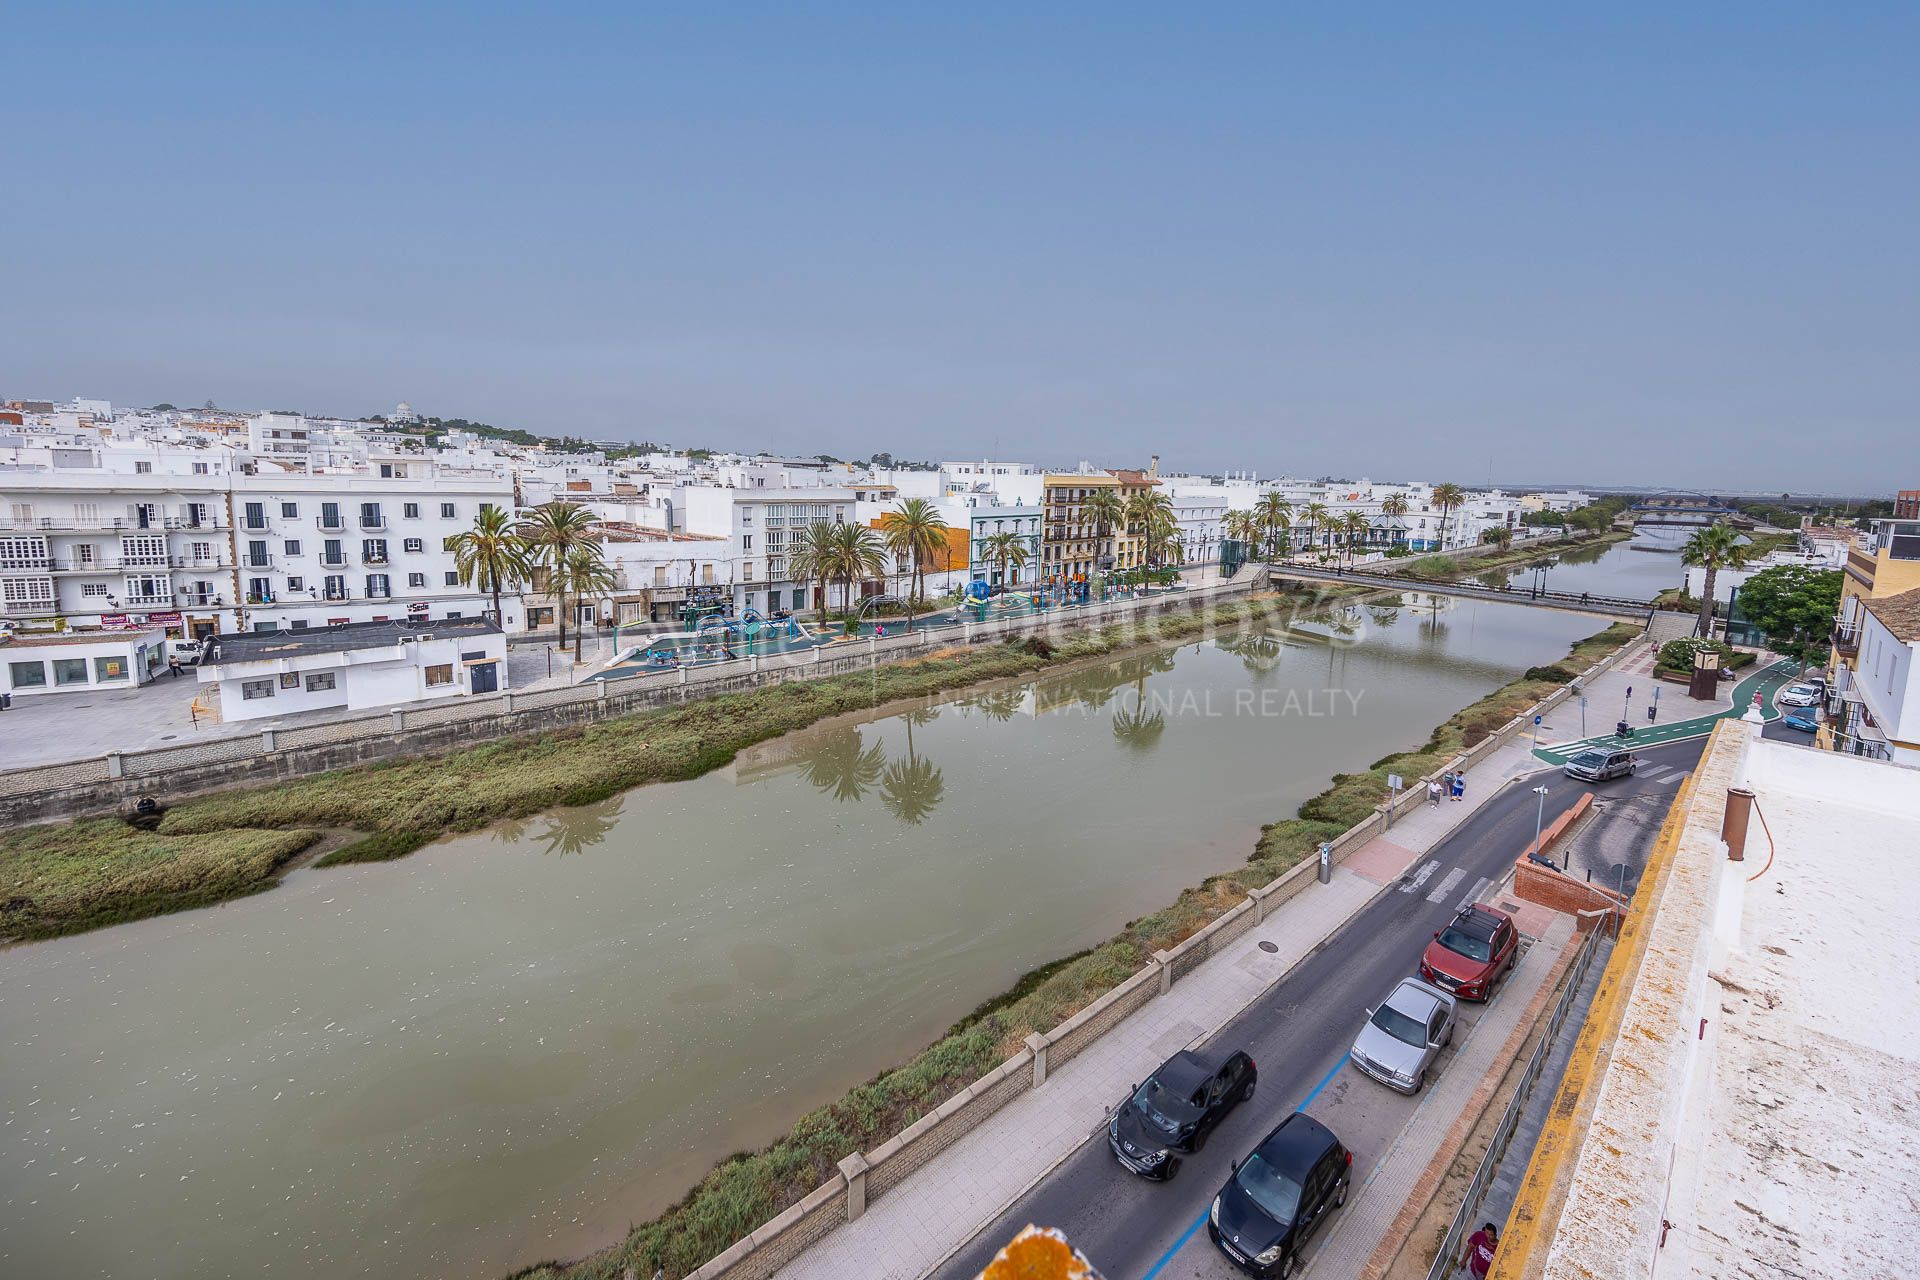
x: 1608, y: 244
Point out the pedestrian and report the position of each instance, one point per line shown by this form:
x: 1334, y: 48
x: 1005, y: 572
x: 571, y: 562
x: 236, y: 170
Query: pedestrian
x: 173, y: 665
x: 880, y: 630
x: 1480, y: 1247
x: 1446, y: 782
x: 1433, y: 792
x: 1459, y: 786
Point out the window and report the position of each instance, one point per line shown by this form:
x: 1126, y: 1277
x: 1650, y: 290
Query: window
x: 297, y: 626
x: 416, y: 580
x: 296, y: 584
x: 291, y: 546
x: 143, y: 468
x: 746, y: 542
x: 251, y: 689
x: 199, y: 468
x: 446, y: 511
x: 414, y: 544
x: 319, y: 681
x: 28, y: 675
x: 254, y: 516
x: 440, y: 674
x: 410, y: 510
x: 289, y: 511
x: 94, y: 589
x: 377, y: 587
x: 453, y: 578
x: 659, y: 575
x: 69, y: 670
x: 111, y: 668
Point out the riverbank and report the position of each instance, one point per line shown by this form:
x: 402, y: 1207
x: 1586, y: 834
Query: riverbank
x: 1453, y: 567
x: 77, y: 876
x: 749, y: 1189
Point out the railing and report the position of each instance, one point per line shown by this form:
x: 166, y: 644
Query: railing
x: 252, y: 561
x: 1443, y: 1262
x: 1846, y: 639
x: 331, y: 524
x: 373, y: 522
x: 333, y: 562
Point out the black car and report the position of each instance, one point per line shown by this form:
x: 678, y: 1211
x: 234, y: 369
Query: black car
x: 1172, y: 1113
x: 1279, y: 1196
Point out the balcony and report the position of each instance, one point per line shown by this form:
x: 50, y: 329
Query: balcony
x: 331, y: 524
x: 1846, y: 639
x: 341, y: 594
x: 199, y: 600
x: 373, y: 594
x: 375, y: 557
x: 149, y: 601
x: 372, y: 521
x: 333, y: 562
x: 254, y: 526
x: 213, y: 560
x: 28, y: 609
x: 251, y: 561
x: 27, y: 564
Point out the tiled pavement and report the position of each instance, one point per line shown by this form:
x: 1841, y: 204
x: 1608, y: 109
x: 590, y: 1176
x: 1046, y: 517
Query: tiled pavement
x: 939, y: 1207
x: 1375, y: 1204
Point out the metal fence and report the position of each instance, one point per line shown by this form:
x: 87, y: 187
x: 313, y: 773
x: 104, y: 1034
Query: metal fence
x: 1443, y: 1262
x: 614, y: 694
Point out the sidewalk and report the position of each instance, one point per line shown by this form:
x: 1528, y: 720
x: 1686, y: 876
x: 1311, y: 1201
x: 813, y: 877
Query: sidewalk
x: 1680, y: 716
x: 941, y: 1206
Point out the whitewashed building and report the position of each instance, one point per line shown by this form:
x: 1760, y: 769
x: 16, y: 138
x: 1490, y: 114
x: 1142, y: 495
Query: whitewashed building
x: 355, y: 665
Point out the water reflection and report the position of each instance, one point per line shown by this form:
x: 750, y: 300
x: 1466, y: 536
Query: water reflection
x: 913, y: 786
x: 572, y: 830
x: 843, y: 765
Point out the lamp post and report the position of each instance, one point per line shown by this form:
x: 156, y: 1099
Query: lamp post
x: 1539, y: 820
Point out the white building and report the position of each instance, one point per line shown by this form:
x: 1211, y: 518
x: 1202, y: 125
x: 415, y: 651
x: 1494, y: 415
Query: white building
x: 1879, y: 696
x: 356, y: 665
x: 31, y: 664
x: 983, y: 523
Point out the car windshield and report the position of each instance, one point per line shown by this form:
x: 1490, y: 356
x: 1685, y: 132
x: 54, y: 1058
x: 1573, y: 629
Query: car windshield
x: 1399, y: 1025
x: 1467, y: 945
x: 1590, y: 759
x: 1277, y: 1195
x: 1163, y: 1108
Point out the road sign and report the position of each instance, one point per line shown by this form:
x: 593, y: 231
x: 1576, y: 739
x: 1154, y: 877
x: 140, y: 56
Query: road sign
x: 1538, y: 719
x: 1395, y: 783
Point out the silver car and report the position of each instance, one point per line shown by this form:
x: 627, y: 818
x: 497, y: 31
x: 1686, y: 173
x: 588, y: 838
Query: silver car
x: 1798, y: 695
x: 1404, y: 1035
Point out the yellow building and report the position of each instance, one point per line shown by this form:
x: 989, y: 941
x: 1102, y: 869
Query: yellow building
x: 1888, y: 564
x: 1070, y: 542
x: 1130, y: 543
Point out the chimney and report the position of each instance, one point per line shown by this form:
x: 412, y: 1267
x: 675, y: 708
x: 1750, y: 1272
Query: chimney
x: 1153, y: 467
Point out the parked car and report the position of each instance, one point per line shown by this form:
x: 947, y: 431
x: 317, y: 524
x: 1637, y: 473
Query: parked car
x: 1279, y: 1196
x: 188, y: 651
x: 1599, y: 764
x: 1404, y: 1035
x: 1470, y: 955
x: 1803, y: 722
x: 1174, y: 1111
x: 1798, y: 695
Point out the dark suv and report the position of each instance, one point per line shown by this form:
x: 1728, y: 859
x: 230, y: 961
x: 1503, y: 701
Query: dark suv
x: 1278, y: 1197
x: 1467, y: 957
x: 1174, y: 1111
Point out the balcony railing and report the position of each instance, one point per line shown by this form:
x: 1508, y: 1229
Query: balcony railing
x: 333, y: 562
x: 342, y: 594
x: 331, y: 524
x: 379, y: 595
x: 372, y: 522
x: 252, y: 561
x: 374, y: 557
x: 148, y: 601
x: 28, y: 609
x: 30, y: 564
x: 1846, y: 639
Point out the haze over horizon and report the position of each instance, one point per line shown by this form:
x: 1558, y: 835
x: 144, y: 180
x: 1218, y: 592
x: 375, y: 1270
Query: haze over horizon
x: 1639, y: 247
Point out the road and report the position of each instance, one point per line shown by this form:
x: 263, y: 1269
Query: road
x: 1299, y: 1031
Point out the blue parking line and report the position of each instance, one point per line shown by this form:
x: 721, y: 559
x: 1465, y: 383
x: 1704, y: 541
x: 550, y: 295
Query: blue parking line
x: 1200, y: 1221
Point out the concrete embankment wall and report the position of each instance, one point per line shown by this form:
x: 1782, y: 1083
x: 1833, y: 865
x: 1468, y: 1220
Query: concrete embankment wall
x: 107, y: 785
x: 867, y: 1176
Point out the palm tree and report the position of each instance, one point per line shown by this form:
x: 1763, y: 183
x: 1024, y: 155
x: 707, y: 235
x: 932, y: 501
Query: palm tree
x: 916, y: 533
x: 1355, y: 526
x: 858, y: 554
x: 551, y: 532
x: 1004, y: 548
x: 1499, y: 535
x: 488, y: 555
x: 1274, y: 514
x: 1316, y: 515
x: 1150, y: 511
x: 1714, y: 548
x: 1107, y: 510
x: 588, y: 576
x: 1244, y: 527
x: 811, y: 557
x: 1394, y: 507
x: 1447, y: 496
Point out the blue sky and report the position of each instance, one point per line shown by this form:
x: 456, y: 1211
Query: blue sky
x: 1625, y: 245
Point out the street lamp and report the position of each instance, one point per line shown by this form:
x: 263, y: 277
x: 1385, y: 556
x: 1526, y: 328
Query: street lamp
x: 1539, y: 818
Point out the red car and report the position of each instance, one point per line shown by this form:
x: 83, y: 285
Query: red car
x: 1468, y: 956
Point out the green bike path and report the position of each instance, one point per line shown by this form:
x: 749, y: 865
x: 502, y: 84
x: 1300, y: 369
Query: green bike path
x: 1766, y: 683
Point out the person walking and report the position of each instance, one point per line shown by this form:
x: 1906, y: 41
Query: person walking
x: 1480, y: 1249
x: 1433, y: 792
x: 173, y: 665
x: 1459, y: 786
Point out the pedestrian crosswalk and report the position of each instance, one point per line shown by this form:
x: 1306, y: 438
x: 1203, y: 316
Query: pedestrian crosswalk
x: 1447, y: 882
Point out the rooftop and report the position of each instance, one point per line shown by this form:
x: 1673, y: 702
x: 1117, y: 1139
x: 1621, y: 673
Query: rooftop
x: 264, y: 646
x: 1899, y: 614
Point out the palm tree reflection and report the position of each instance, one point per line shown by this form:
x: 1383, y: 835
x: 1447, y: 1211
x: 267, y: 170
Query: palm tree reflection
x: 570, y: 831
x: 844, y: 766
x: 913, y: 788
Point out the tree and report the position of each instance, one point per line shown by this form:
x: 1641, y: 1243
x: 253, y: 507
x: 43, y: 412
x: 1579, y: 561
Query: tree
x: 1794, y: 606
x: 1243, y: 527
x: 916, y: 533
x: 1151, y: 512
x: 551, y: 532
x: 588, y: 576
x: 1355, y: 526
x: 858, y: 553
x: 1316, y: 515
x: 490, y: 554
x: 1274, y: 514
x: 812, y: 557
x: 1106, y: 509
x: 1447, y: 497
x: 1393, y: 507
x: 1497, y: 535
x: 1004, y: 548
x: 1714, y: 548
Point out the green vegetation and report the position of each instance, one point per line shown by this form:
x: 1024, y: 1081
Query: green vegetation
x: 1794, y: 606
x: 1676, y: 656
x: 1439, y: 568
x: 56, y: 880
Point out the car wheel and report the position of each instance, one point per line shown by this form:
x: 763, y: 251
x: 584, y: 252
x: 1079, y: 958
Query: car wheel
x: 1173, y: 1167
x: 1200, y: 1141
x: 1340, y: 1200
x: 1419, y: 1083
x: 1246, y: 1094
x: 1285, y: 1268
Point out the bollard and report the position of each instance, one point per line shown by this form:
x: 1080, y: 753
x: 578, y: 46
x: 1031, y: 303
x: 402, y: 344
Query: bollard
x: 1326, y: 863
x: 1038, y: 1043
x: 854, y: 1169
x: 1733, y: 825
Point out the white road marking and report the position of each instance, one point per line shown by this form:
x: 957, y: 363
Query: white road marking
x: 1447, y: 883
x: 1474, y: 897
x: 1420, y: 877
x: 1676, y: 778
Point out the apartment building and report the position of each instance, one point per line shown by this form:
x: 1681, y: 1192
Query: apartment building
x: 983, y: 523
x: 763, y: 523
x: 1071, y: 545
x: 1885, y: 566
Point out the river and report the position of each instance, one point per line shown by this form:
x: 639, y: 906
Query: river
x: 511, y: 1044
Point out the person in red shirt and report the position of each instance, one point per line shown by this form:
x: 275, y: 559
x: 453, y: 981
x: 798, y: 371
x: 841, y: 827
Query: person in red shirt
x: 1480, y: 1249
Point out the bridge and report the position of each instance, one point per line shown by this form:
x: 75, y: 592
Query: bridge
x: 1678, y: 508
x: 1640, y: 611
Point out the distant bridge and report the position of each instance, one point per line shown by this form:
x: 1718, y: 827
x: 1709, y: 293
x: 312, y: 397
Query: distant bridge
x: 1675, y: 507
x: 1565, y: 601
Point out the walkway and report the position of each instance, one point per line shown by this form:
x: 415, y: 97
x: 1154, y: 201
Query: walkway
x: 1629, y: 688
x: 1564, y: 601
x: 941, y: 1207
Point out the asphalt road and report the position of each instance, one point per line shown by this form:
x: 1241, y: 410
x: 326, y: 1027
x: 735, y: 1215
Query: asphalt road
x: 1299, y: 1031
